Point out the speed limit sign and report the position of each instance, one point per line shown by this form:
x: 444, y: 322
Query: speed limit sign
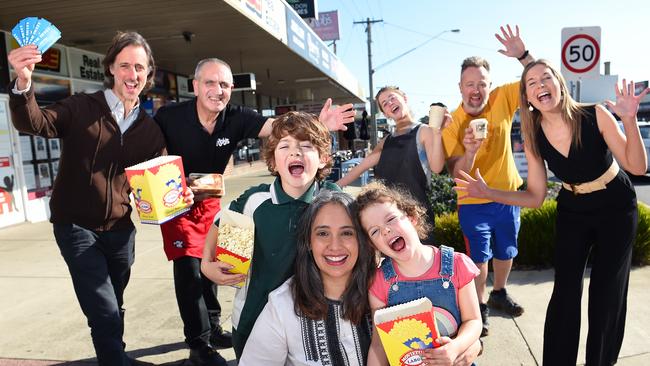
x: 580, y: 53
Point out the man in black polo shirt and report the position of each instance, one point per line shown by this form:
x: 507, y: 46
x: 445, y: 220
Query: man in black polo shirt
x: 204, y: 132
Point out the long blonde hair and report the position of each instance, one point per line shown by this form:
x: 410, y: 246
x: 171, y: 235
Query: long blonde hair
x: 572, y: 111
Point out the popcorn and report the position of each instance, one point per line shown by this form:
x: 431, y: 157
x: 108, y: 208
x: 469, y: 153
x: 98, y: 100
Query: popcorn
x: 235, y: 242
x: 236, y: 239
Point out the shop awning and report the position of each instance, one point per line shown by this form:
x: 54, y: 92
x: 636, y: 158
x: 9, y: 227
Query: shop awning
x: 264, y: 37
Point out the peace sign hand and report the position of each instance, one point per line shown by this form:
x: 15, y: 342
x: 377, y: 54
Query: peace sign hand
x: 627, y: 104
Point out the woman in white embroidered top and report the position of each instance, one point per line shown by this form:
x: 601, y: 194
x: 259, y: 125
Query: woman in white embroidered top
x: 321, y: 315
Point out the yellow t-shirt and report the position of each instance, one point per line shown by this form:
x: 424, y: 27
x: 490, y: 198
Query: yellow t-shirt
x: 494, y: 157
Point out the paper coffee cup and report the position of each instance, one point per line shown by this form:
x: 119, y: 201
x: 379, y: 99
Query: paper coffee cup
x: 479, y: 127
x: 436, y: 116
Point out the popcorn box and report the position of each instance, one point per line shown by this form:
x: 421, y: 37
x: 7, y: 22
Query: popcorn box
x: 158, y: 186
x: 235, y: 242
x: 406, y: 330
x: 210, y: 183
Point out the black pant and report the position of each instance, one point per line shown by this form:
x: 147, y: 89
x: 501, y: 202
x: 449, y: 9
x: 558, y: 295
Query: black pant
x: 197, y: 301
x: 100, y: 267
x: 610, y: 237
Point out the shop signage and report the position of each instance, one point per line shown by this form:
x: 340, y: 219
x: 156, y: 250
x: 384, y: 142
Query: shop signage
x: 86, y: 65
x: 302, y: 40
x: 326, y: 26
x: 304, y: 8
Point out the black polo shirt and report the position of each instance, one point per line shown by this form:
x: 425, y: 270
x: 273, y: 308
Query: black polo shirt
x: 203, y: 152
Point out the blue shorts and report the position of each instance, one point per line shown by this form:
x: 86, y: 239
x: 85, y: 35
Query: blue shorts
x: 490, y: 223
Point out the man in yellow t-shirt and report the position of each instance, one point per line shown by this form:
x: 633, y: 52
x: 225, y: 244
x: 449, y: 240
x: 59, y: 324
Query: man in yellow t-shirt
x: 490, y: 228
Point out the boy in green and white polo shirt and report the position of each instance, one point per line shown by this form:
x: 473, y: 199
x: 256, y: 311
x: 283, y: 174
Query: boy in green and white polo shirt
x: 298, y: 152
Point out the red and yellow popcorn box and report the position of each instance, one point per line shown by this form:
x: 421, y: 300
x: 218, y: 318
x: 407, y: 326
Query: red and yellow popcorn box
x: 406, y: 330
x: 235, y: 242
x: 158, y: 185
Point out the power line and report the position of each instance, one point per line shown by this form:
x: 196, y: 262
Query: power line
x: 416, y: 47
x: 407, y: 29
x: 370, y: 9
x: 440, y: 39
x: 356, y: 7
x: 466, y: 44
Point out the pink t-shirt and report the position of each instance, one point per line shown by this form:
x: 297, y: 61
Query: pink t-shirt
x: 464, y: 271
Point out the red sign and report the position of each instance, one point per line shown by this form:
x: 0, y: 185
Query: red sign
x: 51, y: 60
x: 327, y: 25
x: 4, y: 162
x: 580, y: 53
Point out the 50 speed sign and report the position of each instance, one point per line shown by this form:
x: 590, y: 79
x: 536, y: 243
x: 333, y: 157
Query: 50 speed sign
x: 580, y: 52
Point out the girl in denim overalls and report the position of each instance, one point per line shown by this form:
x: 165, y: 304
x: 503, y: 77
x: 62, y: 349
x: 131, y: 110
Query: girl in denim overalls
x: 393, y: 222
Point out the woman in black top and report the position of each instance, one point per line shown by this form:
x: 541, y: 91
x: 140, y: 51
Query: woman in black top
x: 406, y: 158
x: 596, y: 209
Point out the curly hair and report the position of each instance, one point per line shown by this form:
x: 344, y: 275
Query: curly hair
x: 304, y: 127
x: 307, y: 286
x: 377, y: 192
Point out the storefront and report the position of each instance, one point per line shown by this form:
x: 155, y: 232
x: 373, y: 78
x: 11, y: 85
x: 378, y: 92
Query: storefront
x: 266, y: 39
x: 29, y: 164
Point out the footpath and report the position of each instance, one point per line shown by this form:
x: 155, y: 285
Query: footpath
x: 42, y: 325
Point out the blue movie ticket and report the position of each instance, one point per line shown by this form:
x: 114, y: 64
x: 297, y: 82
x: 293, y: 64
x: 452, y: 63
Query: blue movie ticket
x: 36, y: 31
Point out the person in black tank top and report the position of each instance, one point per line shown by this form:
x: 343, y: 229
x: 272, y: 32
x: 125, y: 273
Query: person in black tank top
x: 596, y: 208
x: 407, y: 158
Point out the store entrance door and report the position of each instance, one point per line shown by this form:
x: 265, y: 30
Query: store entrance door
x: 12, y: 209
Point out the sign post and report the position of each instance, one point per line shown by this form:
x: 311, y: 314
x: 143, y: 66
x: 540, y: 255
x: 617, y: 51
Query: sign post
x: 580, y: 53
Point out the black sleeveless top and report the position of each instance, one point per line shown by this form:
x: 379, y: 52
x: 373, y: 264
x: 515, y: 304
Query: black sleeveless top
x: 584, y: 164
x: 399, y: 166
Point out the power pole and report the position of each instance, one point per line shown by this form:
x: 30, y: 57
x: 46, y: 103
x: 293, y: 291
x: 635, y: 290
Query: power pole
x: 373, y: 109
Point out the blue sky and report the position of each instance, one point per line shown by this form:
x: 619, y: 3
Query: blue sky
x: 431, y: 73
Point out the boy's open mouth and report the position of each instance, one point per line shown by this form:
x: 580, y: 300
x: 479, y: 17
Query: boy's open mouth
x: 296, y: 168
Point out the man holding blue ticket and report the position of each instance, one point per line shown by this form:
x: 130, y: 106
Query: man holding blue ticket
x: 90, y: 208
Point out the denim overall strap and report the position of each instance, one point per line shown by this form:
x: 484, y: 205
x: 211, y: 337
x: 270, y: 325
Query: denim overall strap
x: 440, y: 291
x: 446, y: 264
x: 388, y: 270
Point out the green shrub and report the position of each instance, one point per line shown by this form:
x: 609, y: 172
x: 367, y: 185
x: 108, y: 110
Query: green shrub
x: 641, y: 250
x: 442, y: 196
x: 447, y: 231
x: 537, y: 235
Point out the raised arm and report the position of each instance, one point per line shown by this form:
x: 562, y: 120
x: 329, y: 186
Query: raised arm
x: 334, y: 119
x: 533, y: 196
x: 432, y: 142
x: 368, y: 162
x: 23, y: 60
x: 627, y: 148
x: 514, y: 45
x: 27, y: 116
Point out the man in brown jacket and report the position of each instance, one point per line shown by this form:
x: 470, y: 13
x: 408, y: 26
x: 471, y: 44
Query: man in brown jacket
x: 102, y: 133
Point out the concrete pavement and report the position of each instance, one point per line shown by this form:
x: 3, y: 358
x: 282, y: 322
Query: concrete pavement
x: 42, y: 324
